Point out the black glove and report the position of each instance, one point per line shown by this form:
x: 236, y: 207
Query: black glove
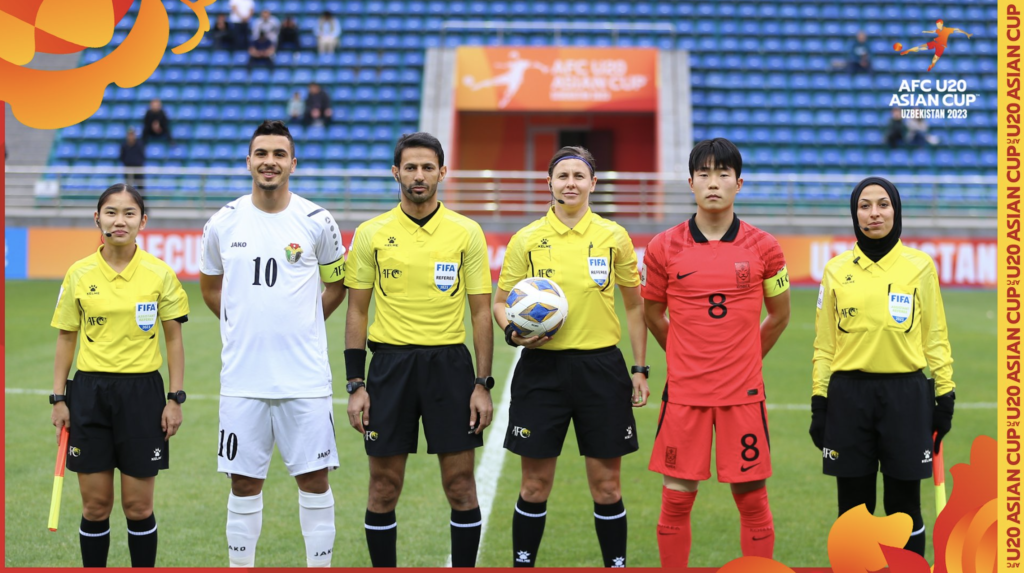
x: 509, y: 330
x: 819, y: 405
x: 942, y: 418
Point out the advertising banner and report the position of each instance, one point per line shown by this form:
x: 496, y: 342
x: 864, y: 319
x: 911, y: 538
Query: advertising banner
x: 556, y: 79
x: 15, y: 252
x: 961, y: 262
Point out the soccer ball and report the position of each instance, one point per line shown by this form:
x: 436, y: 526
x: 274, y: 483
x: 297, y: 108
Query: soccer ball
x: 897, y: 46
x: 536, y: 307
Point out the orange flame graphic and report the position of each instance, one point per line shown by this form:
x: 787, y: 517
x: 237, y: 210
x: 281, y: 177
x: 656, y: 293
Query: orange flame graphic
x: 965, y: 531
x: 54, y: 99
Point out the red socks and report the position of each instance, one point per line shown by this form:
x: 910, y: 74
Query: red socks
x: 674, y: 535
x: 757, y: 531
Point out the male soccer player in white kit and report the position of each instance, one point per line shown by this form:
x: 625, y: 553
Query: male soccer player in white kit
x: 264, y: 256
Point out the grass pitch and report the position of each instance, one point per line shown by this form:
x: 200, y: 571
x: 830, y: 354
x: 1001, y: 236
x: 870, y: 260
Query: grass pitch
x: 191, y: 497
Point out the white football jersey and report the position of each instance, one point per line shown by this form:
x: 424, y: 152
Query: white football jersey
x: 271, y: 315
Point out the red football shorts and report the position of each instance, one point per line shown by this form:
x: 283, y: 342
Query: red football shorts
x: 682, y: 448
x: 939, y: 48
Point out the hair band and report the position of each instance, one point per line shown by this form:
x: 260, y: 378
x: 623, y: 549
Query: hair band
x: 573, y: 157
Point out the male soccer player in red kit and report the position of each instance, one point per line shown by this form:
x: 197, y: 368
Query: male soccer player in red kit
x: 711, y: 274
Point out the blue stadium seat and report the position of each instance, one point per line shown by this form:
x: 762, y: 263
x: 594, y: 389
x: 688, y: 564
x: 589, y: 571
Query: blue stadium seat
x: 227, y: 131
x: 116, y: 131
x: 67, y: 150
x: 204, y: 131
x: 92, y: 130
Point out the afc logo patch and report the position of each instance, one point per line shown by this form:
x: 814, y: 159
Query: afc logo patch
x: 670, y: 457
x: 742, y: 274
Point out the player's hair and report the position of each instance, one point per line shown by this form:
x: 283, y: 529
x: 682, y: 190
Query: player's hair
x: 719, y: 153
x: 568, y: 151
x: 418, y: 139
x: 939, y: 21
x: 272, y: 127
x: 119, y: 188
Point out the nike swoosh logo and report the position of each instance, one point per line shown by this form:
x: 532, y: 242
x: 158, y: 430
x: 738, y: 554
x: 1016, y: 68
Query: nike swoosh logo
x: 760, y: 538
x: 679, y: 276
x: 748, y: 468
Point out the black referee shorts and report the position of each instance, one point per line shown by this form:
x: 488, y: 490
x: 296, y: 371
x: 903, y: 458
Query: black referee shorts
x: 115, y: 423
x: 590, y: 387
x: 877, y: 419
x: 407, y: 382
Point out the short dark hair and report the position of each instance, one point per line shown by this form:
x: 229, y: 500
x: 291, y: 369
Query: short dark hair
x: 719, y: 153
x: 418, y: 139
x: 272, y: 127
x: 122, y: 188
x: 572, y: 150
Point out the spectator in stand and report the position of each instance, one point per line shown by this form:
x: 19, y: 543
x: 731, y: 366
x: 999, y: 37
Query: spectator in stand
x: 318, y: 106
x: 896, y: 132
x: 328, y: 30
x: 261, y: 52
x: 241, y: 13
x: 917, y: 133
x: 296, y: 107
x: 268, y: 25
x: 289, y: 38
x: 223, y: 37
x: 861, y: 55
x: 155, y: 123
x: 133, y: 154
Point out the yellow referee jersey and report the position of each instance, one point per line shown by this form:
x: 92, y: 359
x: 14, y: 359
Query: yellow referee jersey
x: 119, y: 314
x: 420, y: 275
x: 884, y: 317
x: 587, y: 261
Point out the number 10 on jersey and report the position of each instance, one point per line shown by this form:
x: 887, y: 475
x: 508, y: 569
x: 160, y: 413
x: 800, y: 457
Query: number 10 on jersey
x: 269, y: 274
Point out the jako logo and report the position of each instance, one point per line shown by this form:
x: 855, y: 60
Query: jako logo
x: 233, y: 548
x: 829, y: 454
x: 521, y: 432
x: 323, y: 455
x: 238, y: 244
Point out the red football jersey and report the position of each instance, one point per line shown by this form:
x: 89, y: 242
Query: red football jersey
x: 714, y: 293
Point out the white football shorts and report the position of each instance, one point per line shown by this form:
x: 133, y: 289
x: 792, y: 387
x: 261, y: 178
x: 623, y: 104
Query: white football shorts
x: 302, y: 428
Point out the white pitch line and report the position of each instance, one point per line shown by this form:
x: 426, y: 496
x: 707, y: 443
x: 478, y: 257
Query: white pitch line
x: 488, y: 470
x: 42, y: 392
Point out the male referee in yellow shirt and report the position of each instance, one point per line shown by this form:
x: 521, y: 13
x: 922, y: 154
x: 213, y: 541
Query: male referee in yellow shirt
x: 424, y: 262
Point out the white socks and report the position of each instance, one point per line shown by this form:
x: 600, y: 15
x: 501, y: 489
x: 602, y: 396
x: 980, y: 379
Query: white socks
x: 245, y: 520
x: 316, y: 517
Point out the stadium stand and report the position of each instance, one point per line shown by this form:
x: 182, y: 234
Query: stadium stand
x: 762, y: 74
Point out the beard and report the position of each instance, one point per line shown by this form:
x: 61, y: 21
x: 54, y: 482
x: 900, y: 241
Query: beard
x: 267, y: 185
x: 419, y: 199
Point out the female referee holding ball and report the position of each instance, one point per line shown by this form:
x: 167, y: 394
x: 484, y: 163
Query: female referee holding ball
x: 115, y: 407
x: 579, y: 374
x: 879, y: 322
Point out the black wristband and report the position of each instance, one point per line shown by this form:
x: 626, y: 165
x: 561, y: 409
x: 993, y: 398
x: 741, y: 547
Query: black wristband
x: 509, y: 329
x: 355, y: 363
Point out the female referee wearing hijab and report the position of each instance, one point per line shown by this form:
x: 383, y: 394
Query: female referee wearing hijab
x: 879, y: 322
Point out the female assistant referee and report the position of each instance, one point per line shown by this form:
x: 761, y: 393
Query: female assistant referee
x: 880, y: 321
x: 579, y: 374
x: 115, y: 407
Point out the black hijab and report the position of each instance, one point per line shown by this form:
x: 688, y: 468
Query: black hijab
x: 875, y: 249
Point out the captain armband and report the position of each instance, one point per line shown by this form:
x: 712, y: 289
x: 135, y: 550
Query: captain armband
x: 333, y: 272
x: 777, y: 284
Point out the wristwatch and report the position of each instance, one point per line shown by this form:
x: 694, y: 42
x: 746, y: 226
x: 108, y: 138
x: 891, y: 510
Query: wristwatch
x: 487, y: 382
x: 54, y: 398
x: 353, y: 386
x: 178, y: 396
x: 645, y: 370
